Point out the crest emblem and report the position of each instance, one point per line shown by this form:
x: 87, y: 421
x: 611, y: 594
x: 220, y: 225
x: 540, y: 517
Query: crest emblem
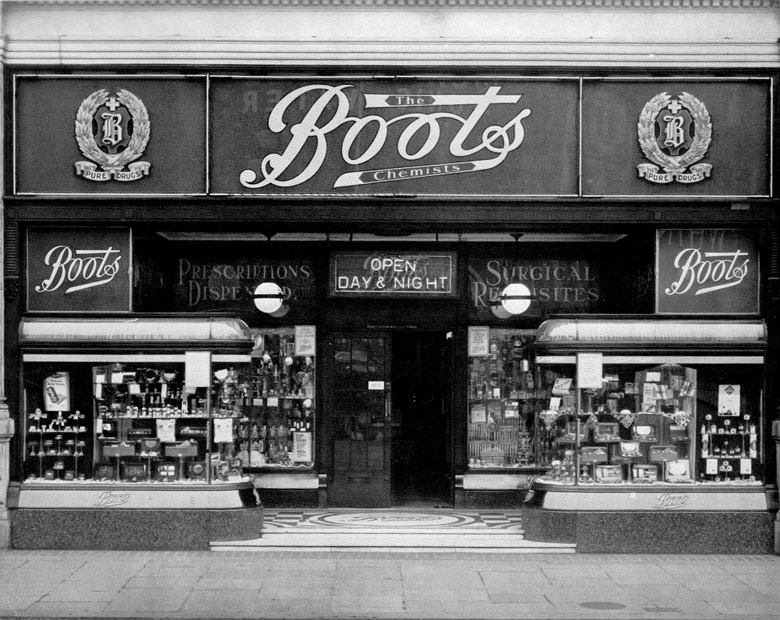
x: 112, y: 132
x: 674, y: 134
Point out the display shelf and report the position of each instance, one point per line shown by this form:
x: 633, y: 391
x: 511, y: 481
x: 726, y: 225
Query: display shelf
x: 503, y: 393
x: 277, y: 425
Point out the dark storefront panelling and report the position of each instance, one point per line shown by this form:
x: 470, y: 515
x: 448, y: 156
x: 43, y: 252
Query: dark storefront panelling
x: 60, y: 131
x: 723, y: 125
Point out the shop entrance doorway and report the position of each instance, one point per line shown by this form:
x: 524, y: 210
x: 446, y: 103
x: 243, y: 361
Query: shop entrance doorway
x: 389, y: 398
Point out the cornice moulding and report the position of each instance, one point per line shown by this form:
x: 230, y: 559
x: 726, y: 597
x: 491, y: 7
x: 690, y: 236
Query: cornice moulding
x: 403, y: 4
x: 155, y: 52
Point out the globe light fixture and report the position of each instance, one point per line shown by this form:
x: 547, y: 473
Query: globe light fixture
x: 268, y: 297
x: 515, y: 298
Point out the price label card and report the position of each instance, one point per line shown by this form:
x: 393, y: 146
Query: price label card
x: 561, y: 386
x: 590, y: 370
x: 745, y: 467
x: 56, y: 392
x: 305, y: 340
x: 223, y: 430
x: 302, y: 447
x: 166, y: 431
x: 728, y: 400
x: 712, y: 467
x: 197, y: 369
x: 478, y: 341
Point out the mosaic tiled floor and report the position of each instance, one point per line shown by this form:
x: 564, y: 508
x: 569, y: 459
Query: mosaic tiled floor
x: 391, y: 519
x: 392, y: 530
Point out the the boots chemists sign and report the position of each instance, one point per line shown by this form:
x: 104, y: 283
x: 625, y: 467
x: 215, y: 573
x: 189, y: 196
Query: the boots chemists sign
x: 706, y: 271
x: 447, y: 137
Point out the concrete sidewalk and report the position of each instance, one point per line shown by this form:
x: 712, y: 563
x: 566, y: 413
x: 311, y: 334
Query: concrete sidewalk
x: 232, y: 584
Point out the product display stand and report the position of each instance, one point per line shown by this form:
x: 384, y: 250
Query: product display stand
x: 181, y: 452
x: 117, y: 452
x: 148, y: 472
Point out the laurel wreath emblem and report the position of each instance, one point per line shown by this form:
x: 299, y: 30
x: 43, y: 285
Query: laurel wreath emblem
x: 86, y: 140
x: 701, y: 140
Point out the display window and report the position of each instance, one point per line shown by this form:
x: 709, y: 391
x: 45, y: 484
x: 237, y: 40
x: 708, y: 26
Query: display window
x: 691, y: 420
x: 504, y: 397
x: 276, y: 427
x: 189, y: 416
x: 652, y: 401
x: 126, y: 421
x: 668, y: 423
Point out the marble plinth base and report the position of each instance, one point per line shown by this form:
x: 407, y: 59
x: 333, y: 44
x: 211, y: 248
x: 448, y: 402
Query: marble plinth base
x: 290, y: 498
x: 648, y: 532
x: 177, y: 529
x: 487, y: 500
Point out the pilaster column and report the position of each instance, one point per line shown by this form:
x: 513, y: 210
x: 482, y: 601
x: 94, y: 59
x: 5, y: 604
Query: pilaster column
x: 6, y: 423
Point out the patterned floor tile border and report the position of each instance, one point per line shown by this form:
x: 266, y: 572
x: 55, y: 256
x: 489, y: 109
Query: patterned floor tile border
x: 355, y: 519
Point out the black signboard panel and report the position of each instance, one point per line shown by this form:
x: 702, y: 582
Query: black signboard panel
x: 110, y: 135
x: 576, y: 278
x: 78, y: 270
x: 403, y: 274
x: 676, y: 137
x: 222, y: 278
x: 479, y: 136
x: 557, y: 285
x: 707, y: 271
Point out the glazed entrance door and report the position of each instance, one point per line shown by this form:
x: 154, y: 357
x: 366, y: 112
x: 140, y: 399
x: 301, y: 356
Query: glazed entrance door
x: 360, y: 404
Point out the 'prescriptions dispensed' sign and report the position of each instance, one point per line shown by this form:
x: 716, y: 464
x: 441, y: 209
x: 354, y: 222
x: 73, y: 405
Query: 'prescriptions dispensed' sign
x: 707, y: 271
x: 390, y: 274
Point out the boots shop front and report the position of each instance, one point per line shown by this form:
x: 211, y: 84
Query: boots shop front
x: 231, y: 292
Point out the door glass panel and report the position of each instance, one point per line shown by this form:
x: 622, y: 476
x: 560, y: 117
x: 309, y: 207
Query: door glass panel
x: 376, y: 359
x: 361, y: 445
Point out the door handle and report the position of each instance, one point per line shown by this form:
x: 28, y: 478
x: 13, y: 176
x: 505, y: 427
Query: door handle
x: 388, y: 401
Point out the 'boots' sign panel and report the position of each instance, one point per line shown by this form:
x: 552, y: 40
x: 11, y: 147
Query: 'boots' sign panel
x: 707, y: 271
x: 79, y: 270
x: 404, y: 136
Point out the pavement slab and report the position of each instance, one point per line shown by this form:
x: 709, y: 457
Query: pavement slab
x: 402, y: 586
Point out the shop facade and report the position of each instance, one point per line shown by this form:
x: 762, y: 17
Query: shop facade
x: 474, y: 289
